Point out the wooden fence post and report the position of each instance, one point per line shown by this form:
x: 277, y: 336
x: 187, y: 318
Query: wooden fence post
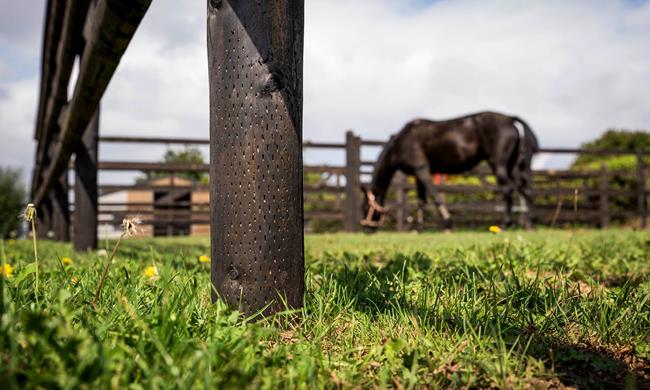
x: 85, y: 188
x: 641, y: 190
x: 44, y: 215
x: 255, y: 52
x: 603, y: 189
x: 61, y: 208
x: 352, y: 181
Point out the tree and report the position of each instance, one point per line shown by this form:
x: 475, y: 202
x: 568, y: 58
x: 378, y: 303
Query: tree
x: 188, y: 155
x: 614, y: 139
x: 12, y: 199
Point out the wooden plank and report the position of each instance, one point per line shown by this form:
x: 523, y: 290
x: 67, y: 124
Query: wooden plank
x: 324, y: 169
x: 55, y: 10
x: 323, y: 145
x: 595, y: 152
x: 69, y: 45
x: 153, y: 140
x: 110, y: 188
x: 151, y: 166
x: 255, y: 51
x: 113, y: 25
x: 367, y: 142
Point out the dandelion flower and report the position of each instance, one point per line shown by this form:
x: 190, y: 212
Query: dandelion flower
x: 67, y: 261
x: 151, y: 272
x: 29, y: 214
x: 204, y: 259
x: 74, y: 281
x: 130, y: 226
x: 495, y: 229
x: 7, y: 270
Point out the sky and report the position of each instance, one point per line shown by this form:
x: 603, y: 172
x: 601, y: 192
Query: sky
x: 571, y: 69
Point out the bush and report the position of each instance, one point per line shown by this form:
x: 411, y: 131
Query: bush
x: 12, y: 199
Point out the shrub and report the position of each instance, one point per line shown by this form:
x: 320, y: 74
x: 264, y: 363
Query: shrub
x: 12, y: 199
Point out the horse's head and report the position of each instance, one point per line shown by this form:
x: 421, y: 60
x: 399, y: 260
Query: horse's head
x: 373, y: 213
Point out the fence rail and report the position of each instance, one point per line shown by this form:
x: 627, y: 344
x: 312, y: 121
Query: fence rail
x: 335, y: 202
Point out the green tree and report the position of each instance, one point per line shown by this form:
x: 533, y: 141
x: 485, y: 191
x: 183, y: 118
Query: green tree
x: 12, y: 199
x: 614, y: 139
x: 188, y: 155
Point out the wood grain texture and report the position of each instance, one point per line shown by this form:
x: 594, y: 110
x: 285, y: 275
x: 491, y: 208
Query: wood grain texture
x: 255, y: 51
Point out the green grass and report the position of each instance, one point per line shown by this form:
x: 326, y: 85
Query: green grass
x: 513, y: 310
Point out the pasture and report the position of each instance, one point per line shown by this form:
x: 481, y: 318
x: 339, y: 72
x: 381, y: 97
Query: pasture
x: 543, y: 309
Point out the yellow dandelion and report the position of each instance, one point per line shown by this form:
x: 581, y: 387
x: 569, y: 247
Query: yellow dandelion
x: 495, y: 229
x: 67, y: 261
x: 7, y: 270
x: 151, y: 272
x: 204, y: 259
x: 74, y: 281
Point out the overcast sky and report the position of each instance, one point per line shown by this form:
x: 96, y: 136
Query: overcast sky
x: 570, y: 68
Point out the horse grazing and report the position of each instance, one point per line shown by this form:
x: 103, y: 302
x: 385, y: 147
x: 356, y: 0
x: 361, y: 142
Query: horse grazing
x: 454, y: 146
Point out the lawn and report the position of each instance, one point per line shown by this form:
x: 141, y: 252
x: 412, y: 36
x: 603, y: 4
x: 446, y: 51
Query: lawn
x: 544, y: 309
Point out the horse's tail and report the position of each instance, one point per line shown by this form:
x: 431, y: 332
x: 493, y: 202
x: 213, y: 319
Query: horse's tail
x: 528, y: 144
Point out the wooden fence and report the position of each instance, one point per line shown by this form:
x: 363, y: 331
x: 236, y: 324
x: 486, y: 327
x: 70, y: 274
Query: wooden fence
x: 333, y: 202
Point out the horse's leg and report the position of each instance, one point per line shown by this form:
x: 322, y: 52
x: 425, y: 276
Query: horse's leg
x: 422, y: 204
x: 507, y: 188
x: 423, y: 175
x: 524, y: 187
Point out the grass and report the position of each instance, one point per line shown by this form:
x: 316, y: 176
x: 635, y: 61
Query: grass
x: 515, y: 310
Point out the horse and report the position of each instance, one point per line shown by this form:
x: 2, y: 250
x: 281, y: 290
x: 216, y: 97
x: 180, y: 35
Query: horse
x: 454, y: 146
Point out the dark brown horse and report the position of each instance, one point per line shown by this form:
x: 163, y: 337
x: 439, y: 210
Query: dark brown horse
x: 454, y: 146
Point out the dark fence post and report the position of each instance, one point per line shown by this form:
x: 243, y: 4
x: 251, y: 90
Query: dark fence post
x: 61, y: 208
x: 352, y: 181
x: 255, y: 51
x: 85, y: 189
x: 641, y: 191
x: 44, y: 215
x: 603, y: 189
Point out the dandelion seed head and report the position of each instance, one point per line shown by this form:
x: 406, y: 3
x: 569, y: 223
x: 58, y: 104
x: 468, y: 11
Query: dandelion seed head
x: 29, y: 214
x: 130, y: 226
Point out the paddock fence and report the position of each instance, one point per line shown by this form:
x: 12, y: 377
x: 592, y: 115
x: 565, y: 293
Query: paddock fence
x: 172, y: 205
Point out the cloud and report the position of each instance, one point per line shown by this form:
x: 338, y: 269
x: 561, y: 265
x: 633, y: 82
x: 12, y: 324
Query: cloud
x: 17, y: 124
x: 570, y: 68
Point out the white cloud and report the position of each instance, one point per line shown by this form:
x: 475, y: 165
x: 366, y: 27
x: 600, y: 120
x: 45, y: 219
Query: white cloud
x: 17, y: 124
x: 571, y: 69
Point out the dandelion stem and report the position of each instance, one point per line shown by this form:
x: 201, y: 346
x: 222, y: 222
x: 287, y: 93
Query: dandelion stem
x: 35, y: 253
x: 105, y: 273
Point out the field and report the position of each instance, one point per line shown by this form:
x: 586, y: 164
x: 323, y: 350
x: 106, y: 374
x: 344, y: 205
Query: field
x: 546, y: 309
